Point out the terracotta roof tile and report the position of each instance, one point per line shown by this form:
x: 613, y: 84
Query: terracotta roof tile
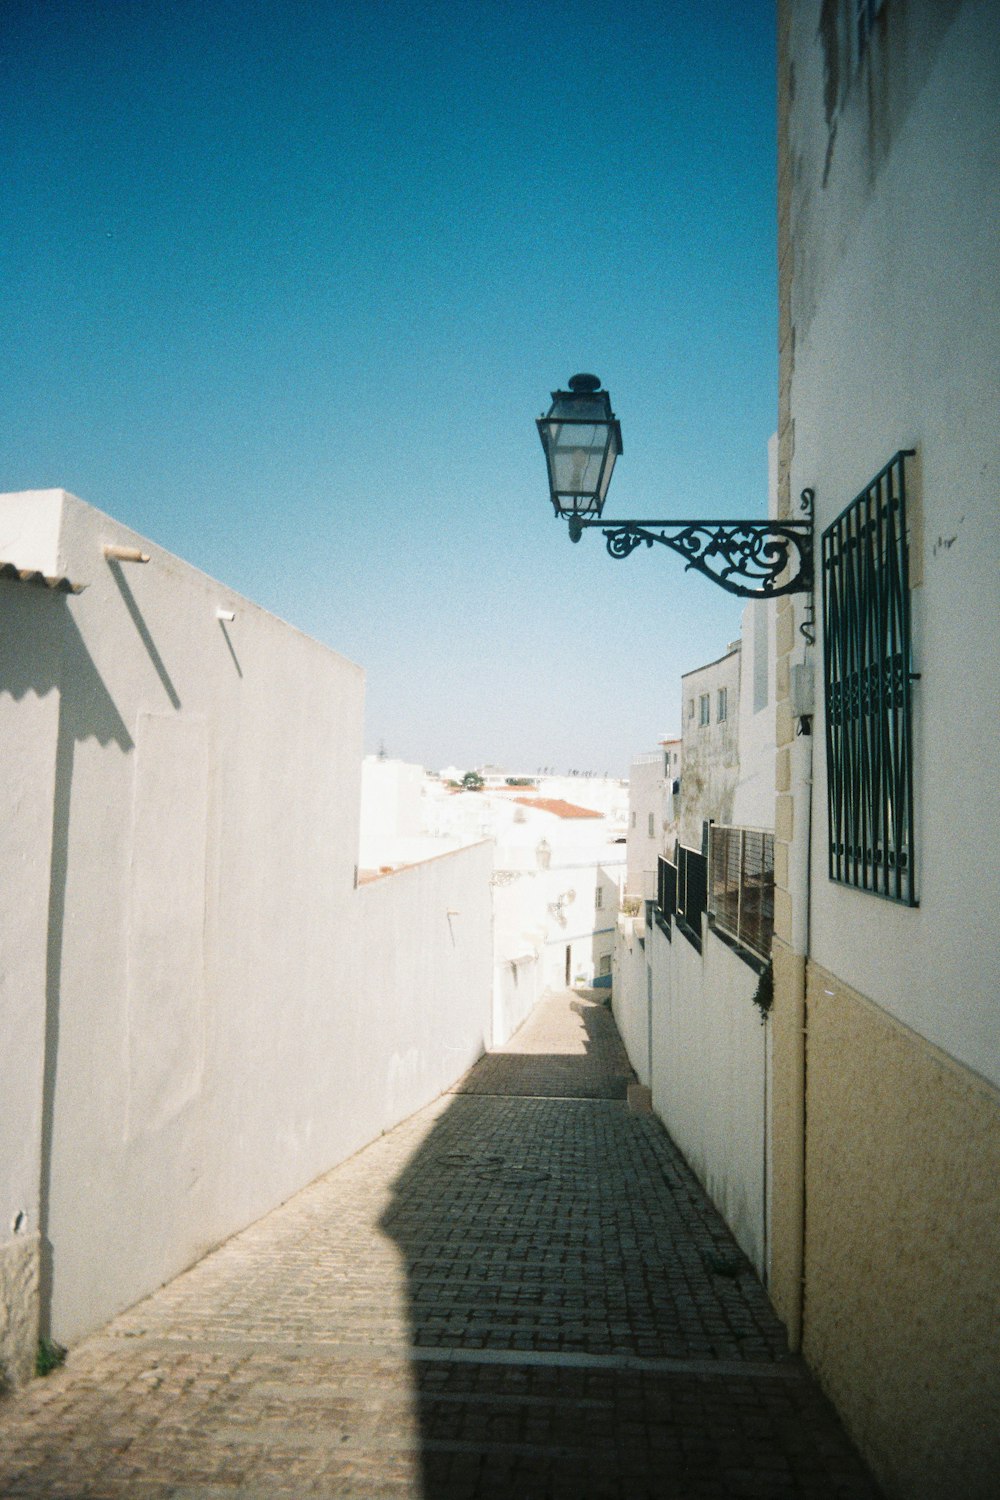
x: 559, y: 807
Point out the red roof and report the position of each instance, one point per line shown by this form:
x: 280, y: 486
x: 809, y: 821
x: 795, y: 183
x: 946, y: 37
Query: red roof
x: 559, y: 807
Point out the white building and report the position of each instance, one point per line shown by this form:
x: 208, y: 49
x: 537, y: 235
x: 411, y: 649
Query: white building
x: 685, y: 982
x: 886, y: 1117
x: 559, y: 868
x: 654, y: 805
x: 710, y: 698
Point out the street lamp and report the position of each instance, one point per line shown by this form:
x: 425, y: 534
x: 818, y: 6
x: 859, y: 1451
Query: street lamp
x: 582, y: 438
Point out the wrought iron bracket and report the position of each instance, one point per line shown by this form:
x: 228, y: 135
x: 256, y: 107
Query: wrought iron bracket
x: 753, y: 559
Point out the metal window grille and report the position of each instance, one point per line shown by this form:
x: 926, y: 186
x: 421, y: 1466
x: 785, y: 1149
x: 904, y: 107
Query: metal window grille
x: 741, y: 885
x: 867, y: 679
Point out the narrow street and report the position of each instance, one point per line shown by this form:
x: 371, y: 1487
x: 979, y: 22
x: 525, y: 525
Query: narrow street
x: 521, y: 1291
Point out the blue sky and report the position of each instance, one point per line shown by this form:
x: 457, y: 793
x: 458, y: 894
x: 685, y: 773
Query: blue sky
x: 287, y: 283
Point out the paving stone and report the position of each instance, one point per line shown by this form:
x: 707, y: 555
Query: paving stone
x: 521, y: 1291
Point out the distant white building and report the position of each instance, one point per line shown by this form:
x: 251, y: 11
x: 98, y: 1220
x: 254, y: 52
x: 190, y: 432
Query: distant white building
x: 654, y: 803
x: 710, y: 750
x: 559, y: 866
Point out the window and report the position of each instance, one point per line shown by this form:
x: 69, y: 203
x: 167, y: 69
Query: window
x: 722, y: 706
x: 704, y: 709
x: 652, y: 826
x: 741, y: 885
x: 690, y: 708
x: 598, y: 898
x: 605, y: 965
x: 867, y: 682
x: 633, y: 819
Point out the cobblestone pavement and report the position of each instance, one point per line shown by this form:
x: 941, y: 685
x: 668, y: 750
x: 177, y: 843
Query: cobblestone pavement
x: 519, y: 1292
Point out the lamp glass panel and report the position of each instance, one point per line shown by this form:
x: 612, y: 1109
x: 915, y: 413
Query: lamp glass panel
x: 577, y: 455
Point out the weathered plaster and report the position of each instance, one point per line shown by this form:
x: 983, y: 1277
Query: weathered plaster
x: 18, y: 1308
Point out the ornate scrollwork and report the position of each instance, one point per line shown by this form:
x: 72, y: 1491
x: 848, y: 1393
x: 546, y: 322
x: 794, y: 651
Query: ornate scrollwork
x: 624, y: 539
x: 746, y: 557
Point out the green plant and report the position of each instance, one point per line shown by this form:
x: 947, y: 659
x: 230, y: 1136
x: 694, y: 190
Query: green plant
x: 48, y: 1356
x: 764, y: 994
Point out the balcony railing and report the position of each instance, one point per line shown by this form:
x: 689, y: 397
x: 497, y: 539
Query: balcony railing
x: 681, y: 891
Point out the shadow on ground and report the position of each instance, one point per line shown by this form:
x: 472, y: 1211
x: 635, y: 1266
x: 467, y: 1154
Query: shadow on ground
x: 582, y: 1323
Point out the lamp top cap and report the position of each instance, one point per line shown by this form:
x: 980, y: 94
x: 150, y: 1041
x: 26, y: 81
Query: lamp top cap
x: 584, y: 384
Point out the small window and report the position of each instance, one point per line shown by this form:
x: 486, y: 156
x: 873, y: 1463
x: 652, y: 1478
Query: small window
x: 690, y: 708
x: 598, y: 898
x: 704, y: 709
x: 633, y: 819
x: 652, y: 826
x: 605, y: 968
x: 723, y: 704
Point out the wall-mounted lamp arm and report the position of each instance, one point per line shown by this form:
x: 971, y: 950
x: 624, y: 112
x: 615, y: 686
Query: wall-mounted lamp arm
x: 753, y: 559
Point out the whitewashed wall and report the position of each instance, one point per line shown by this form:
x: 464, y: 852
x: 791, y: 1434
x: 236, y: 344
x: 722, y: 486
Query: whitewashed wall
x: 29, y: 721
x: 695, y: 1037
x: 630, y: 993
x: 518, y: 985
x: 420, y: 1005
x: 897, y: 345
x: 226, y: 1015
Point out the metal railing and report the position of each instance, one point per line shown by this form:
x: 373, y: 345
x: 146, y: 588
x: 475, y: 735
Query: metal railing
x: 741, y: 886
x: 692, y: 891
x: 666, y: 888
x: 681, y: 891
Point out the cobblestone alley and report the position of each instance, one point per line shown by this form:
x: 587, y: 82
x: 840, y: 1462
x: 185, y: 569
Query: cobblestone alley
x: 521, y: 1291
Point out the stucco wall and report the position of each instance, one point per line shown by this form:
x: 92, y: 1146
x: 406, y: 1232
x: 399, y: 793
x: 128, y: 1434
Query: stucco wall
x: 902, y: 1247
x: 630, y: 993
x: 518, y: 985
x: 29, y: 716
x: 693, y: 1034
x: 896, y: 305
x: 419, y: 1009
x: 710, y: 753
x: 889, y: 331
x: 206, y: 1012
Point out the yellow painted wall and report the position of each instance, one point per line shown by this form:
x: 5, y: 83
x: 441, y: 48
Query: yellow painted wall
x: 902, y: 1247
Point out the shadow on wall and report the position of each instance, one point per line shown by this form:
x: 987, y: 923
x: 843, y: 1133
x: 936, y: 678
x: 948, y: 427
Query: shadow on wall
x: 52, y: 655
